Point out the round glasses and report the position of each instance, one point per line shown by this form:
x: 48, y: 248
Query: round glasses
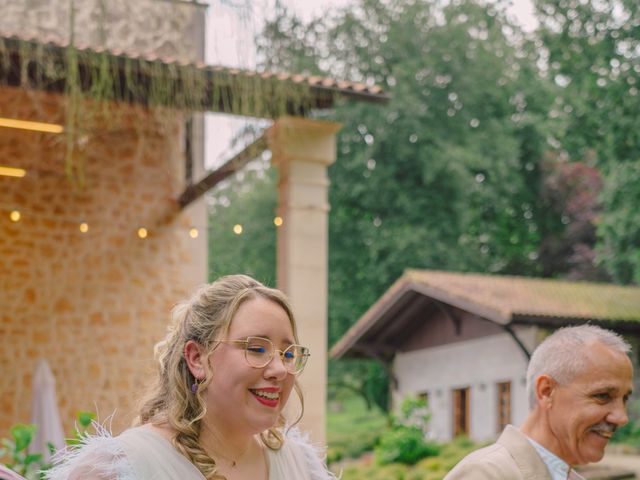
x: 258, y: 352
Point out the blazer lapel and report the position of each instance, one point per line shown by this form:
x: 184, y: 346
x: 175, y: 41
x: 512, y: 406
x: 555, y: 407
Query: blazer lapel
x: 524, y: 454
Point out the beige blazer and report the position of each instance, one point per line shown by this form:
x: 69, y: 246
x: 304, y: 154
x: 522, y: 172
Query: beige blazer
x: 512, y: 457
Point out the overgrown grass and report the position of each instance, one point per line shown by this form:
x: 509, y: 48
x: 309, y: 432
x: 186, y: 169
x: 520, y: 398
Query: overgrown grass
x: 353, y: 430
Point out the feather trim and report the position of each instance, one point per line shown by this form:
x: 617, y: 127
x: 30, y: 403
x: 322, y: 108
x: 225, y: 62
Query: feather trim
x: 98, y: 456
x: 314, y: 455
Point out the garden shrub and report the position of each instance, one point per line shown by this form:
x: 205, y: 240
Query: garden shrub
x: 404, y: 445
x: 406, y: 441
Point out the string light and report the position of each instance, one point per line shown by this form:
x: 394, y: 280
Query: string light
x: 78, y: 222
x: 12, y: 172
x: 34, y: 126
x: 277, y: 221
x: 237, y: 229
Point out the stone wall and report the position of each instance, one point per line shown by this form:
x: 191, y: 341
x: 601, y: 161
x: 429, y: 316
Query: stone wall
x: 165, y: 28
x: 92, y: 303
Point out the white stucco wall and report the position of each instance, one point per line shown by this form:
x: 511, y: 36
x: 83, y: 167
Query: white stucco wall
x: 478, y: 364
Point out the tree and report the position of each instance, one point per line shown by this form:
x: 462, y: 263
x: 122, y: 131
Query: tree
x: 248, y: 200
x: 594, y: 56
x: 447, y: 174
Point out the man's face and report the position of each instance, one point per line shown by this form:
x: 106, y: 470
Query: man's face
x: 584, y: 413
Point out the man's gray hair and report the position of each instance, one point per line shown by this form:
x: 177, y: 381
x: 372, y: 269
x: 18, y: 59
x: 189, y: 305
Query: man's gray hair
x: 562, y: 355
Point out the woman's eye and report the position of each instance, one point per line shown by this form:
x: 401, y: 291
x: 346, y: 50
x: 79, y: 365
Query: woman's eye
x: 256, y: 349
x: 289, y: 355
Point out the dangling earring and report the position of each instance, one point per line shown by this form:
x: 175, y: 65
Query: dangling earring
x: 195, y: 386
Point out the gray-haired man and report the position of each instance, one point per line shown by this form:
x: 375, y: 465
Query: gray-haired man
x: 578, y: 380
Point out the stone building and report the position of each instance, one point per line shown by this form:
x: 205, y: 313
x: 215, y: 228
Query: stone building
x: 102, y: 221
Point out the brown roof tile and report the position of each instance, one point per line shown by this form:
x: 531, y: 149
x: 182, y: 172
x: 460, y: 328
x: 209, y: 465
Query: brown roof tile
x: 505, y: 300
x: 322, y: 89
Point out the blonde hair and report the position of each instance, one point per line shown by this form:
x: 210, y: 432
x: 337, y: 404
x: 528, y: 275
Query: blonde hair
x: 204, y: 318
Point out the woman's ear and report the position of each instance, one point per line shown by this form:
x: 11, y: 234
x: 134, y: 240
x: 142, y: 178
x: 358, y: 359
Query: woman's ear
x: 195, y: 355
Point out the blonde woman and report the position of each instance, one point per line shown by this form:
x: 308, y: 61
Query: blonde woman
x: 226, y: 370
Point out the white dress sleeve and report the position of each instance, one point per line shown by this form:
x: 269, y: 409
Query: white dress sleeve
x: 97, y: 457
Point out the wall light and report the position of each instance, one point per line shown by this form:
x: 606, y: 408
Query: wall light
x: 12, y: 172
x: 35, y: 126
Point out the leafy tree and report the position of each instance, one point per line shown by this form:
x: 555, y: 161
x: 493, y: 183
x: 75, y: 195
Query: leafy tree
x: 248, y: 200
x: 619, y: 229
x: 593, y: 53
x: 571, y: 192
x: 447, y: 174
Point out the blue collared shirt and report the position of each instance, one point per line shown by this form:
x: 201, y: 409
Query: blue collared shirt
x: 557, y: 467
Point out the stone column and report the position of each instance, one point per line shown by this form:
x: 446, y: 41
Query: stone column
x: 301, y: 151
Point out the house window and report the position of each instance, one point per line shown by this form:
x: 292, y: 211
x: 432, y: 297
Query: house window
x: 424, y: 396
x: 504, y: 405
x: 461, y: 411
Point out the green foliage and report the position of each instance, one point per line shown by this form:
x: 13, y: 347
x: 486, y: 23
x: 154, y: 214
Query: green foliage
x: 430, y: 468
x: 404, y: 445
x: 249, y: 200
x: 84, y: 420
x: 352, y: 429
x: 15, y: 448
x: 619, y: 228
x: 405, y: 442
x: 32, y: 465
x: 447, y: 175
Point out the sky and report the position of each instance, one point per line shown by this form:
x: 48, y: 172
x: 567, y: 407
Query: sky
x: 229, y: 42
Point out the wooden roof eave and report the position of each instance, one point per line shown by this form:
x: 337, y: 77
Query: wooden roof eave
x: 394, y: 298
x: 372, y: 317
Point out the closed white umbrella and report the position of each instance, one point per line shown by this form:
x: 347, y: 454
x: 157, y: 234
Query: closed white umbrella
x: 44, y: 412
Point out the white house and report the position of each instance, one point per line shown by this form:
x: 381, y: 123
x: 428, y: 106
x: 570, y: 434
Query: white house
x: 463, y: 340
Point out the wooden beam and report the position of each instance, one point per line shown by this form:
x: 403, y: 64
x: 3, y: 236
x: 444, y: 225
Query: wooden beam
x: 237, y: 162
x: 451, y: 315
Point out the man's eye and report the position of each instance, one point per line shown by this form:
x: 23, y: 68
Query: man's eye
x: 603, y: 397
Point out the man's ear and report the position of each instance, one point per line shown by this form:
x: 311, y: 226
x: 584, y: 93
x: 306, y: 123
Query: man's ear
x: 545, y: 389
x: 195, y: 356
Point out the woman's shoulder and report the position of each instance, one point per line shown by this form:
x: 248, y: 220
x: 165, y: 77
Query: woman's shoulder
x: 98, y: 456
x: 298, y: 449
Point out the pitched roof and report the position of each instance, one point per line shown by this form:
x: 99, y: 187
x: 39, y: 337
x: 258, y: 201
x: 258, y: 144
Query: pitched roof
x: 503, y: 300
x: 134, y: 76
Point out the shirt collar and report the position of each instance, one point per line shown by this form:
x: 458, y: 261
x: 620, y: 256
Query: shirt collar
x: 558, y: 468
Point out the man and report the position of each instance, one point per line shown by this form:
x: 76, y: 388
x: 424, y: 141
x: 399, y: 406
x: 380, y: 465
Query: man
x: 578, y: 382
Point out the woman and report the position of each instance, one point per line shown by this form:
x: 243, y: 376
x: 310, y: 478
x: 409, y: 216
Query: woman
x: 226, y: 370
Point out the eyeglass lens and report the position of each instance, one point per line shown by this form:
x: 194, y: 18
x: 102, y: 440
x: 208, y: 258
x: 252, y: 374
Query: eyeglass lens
x: 259, y: 352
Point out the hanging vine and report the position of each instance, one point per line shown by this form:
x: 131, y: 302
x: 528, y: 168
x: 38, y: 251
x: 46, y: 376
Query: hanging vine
x: 96, y: 80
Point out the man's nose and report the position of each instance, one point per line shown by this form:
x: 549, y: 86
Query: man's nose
x: 618, y: 416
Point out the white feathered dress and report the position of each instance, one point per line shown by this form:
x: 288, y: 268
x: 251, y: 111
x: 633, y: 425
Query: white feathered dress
x: 140, y: 453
